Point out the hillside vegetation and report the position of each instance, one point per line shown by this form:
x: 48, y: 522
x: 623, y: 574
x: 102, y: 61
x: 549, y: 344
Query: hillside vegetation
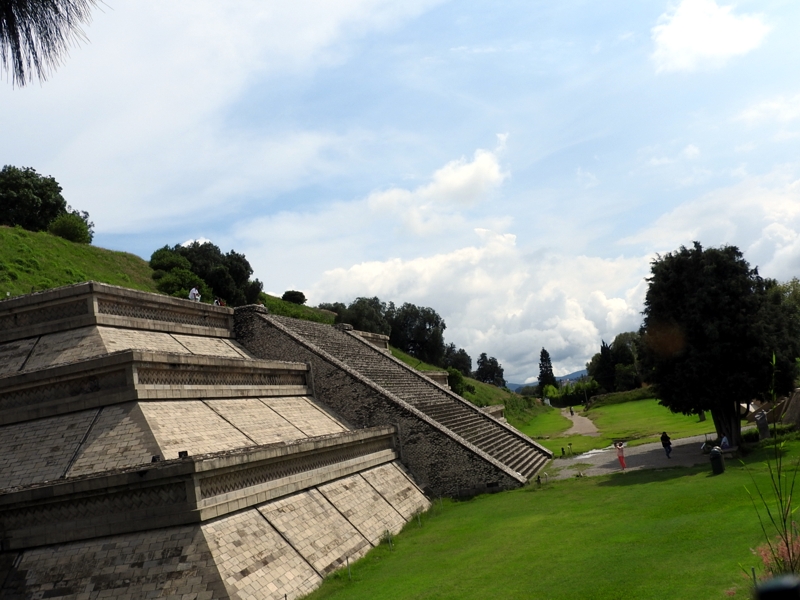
x: 36, y: 261
x: 288, y: 309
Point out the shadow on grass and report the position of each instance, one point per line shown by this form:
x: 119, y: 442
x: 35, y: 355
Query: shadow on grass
x: 652, y: 475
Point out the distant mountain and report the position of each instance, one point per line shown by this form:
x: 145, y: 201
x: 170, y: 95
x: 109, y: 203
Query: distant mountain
x: 571, y: 376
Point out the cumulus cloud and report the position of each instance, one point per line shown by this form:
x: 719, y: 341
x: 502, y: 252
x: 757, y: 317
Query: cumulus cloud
x: 460, y: 183
x: 700, y: 33
x: 152, y: 125
x: 760, y: 215
x: 500, y: 300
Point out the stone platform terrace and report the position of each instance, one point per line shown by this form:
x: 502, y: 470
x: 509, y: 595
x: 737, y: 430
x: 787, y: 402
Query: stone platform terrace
x: 147, y: 453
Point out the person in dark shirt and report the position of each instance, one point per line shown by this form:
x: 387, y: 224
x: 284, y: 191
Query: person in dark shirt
x: 665, y: 441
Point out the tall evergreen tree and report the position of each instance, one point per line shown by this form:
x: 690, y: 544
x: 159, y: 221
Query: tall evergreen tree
x: 546, y: 376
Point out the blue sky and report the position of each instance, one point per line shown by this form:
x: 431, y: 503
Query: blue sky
x: 515, y: 165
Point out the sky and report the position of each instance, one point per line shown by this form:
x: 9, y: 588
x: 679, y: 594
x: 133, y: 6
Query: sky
x: 516, y: 165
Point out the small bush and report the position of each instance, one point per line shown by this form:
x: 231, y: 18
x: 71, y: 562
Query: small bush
x: 457, y: 383
x: 294, y: 297
x: 72, y: 227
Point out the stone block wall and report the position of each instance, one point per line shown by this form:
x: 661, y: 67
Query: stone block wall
x: 439, y: 462
x: 282, y: 547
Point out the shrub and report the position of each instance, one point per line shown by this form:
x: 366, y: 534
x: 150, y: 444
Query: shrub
x: 294, y: 297
x: 72, y: 227
x: 457, y: 383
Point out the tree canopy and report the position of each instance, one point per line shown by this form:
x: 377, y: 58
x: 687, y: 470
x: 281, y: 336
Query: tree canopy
x: 616, y: 367
x: 36, y: 34
x: 417, y: 330
x: 34, y: 202
x: 489, y: 370
x: 179, y: 268
x: 711, y: 326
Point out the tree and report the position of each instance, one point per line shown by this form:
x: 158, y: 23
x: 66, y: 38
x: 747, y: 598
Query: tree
x: 489, y: 371
x: 457, y: 359
x: 602, y: 367
x: 711, y: 326
x: 418, y: 330
x: 294, y: 297
x: 28, y: 199
x: 364, y: 314
x: 36, y: 34
x: 223, y: 275
x: 546, y: 376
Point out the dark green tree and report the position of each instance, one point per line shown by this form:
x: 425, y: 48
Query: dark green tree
x: 457, y: 358
x: 28, y: 199
x: 223, y: 275
x: 602, y: 368
x: 546, y: 376
x: 418, y: 330
x: 711, y: 326
x: 35, y: 35
x: 294, y: 297
x: 364, y: 314
x: 489, y: 370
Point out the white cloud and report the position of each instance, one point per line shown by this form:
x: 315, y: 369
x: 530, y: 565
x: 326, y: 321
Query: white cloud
x: 780, y: 109
x: 141, y: 123
x: 460, y: 183
x: 760, y: 215
x: 498, y: 300
x: 700, y: 33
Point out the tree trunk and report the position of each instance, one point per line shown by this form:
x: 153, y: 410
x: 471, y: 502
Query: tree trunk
x: 727, y: 422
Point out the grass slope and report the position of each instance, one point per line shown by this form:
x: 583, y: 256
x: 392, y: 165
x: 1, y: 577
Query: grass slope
x: 288, y: 309
x: 39, y: 261
x: 671, y: 533
x: 638, y: 422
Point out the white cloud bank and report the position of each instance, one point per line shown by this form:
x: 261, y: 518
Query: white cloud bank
x: 701, y: 34
x: 760, y: 215
x: 499, y: 300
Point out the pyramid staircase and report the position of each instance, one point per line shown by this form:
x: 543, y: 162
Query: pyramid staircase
x: 497, y: 439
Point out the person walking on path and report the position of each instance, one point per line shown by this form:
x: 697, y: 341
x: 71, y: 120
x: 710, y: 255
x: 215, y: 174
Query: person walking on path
x: 620, y: 454
x: 665, y: 441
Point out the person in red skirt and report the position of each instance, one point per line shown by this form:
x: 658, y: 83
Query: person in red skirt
x: 620, y: 454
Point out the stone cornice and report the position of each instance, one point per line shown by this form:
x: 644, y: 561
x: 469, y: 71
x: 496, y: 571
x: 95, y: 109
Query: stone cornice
x: 183, y: 491
x: 93, y: 303
x: 138, y: 375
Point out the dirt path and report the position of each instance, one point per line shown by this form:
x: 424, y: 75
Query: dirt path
x: 580, y: 425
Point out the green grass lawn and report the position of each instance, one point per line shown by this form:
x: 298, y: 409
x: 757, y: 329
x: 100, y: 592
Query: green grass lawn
x: 39, y: 261
x: 667, y: 534
x: 637, y: 422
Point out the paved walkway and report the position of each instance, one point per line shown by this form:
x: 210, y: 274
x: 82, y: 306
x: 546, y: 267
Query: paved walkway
x: 685, y: 453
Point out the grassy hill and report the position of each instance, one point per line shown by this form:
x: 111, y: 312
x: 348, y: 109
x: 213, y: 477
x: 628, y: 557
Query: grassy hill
x: 35, y: 261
